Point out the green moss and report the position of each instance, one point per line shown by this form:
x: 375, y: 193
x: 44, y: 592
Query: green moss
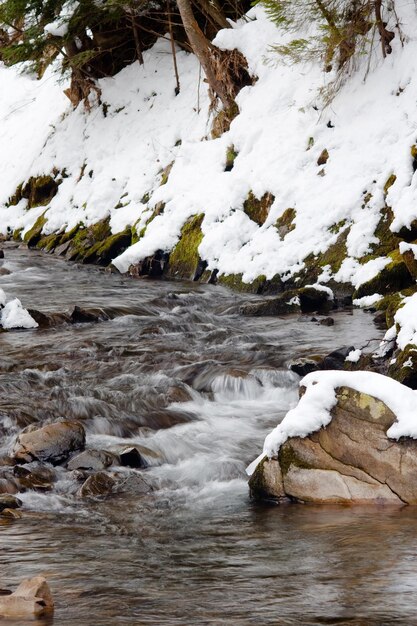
x: 392, y: 302
x: 287, y: 458
x: 17, y: 234
x: 235, y: 282
x: 314, y: 264
x: 336, y: 228
x: 184, y: 258
x: 387, y: 240
x: 231, y: 155
x: 257, y: 486
x: 258, y: 209
x: 103, y: 252
x: 285, y: 223
x: 165, y: 173
x: 405, y: 367
x: 49, y: 242
x: 413, y: 151
x: 17, y: 196
x: 33, y: 235
x: 393, y: 277
x: 222, y: 121
x: 390, y: 181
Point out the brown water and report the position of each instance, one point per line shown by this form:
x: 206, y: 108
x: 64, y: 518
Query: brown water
x: 196, y: 550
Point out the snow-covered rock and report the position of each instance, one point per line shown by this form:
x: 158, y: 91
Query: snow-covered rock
x: 13, y: 315
x: 351, y: 438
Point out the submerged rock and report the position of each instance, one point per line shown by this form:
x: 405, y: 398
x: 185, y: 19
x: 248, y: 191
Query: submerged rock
x: 304, y: 300
x: 52, y: 443
x: 100, y: 484
x: 349, y: 460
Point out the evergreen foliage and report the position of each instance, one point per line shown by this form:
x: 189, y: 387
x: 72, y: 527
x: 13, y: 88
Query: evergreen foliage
x: 338, y: 31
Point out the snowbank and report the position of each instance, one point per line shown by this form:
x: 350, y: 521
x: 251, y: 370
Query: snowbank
x: 113, y: 158
x: 313, y: 409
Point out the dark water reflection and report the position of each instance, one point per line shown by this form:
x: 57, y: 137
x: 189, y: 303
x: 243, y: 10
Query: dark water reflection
x: 195, y: 551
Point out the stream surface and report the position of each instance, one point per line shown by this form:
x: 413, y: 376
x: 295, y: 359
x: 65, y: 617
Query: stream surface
x: 179, y: 372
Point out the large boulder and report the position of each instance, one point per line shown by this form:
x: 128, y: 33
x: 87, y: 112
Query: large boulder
x: 350, y: 459
x: 52, y: 443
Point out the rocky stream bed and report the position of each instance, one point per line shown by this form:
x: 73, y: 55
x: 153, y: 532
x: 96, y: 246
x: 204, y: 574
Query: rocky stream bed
x: 165, y: 396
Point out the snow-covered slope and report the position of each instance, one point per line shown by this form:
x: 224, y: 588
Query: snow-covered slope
x: 113, y: 157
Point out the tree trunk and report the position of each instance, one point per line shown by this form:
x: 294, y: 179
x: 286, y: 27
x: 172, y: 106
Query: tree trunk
x: 386, y: 35
x: 212, y: 10
x: 225, y: 70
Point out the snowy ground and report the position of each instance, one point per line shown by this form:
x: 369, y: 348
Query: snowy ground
x: 117, y: 158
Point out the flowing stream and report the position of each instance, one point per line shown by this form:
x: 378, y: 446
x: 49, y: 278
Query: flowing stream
x: 179, y: 372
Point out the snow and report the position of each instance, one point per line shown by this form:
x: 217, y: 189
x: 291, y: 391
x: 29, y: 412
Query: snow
x: 367, y: 301
x: 406, y: 247
x: 319, y: 287
x: 122, y: 151
x: 406, y: 318
x: 15, y: 316
x: 354, y: 356
x: 313, y: 410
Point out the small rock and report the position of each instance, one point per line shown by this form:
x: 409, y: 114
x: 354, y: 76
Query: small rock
x: 92, y: 460
x: 327, y: 321
x: 336, y: 360
x: 133, y: 483
x: 32, y: 597
x: 84, y: 316
x: 11, y: 514
x: 131, y: 457
x: 323, y: 158
x: 52, y: 443
x: 35, y: 476
x: 8, y: 501
x: 99, y: 484
x: 1, y: 254
x: 4, y: 271
x: 49, y: 320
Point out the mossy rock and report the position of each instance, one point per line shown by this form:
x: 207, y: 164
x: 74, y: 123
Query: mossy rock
x: 266, y: 481
x: 411, y: 262
x: 83, y: 239
x: 285, y: 223
x: 405, y: 367
x: 184, y: 258
x: 395, y: 276
x: 49, y: 242
x: 389, y: 305
x: 33, y: 235
x: 39, y: 191
x: 387, y: 240
x: 314, y: 265
x: 103, y: 252
x: 258, y: 209
x: 235, y: 282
